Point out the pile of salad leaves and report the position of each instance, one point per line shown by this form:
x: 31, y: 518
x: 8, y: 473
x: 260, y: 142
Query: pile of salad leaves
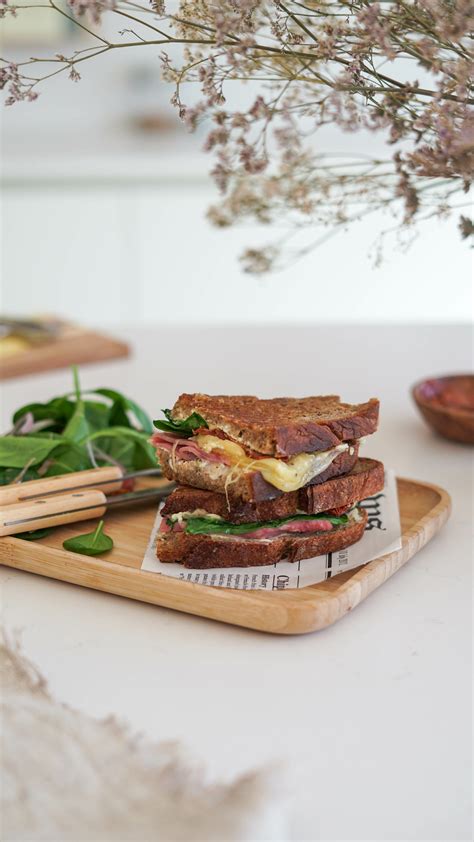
x: 75, y: 432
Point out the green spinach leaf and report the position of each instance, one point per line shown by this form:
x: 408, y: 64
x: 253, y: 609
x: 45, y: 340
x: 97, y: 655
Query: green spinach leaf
x: 36, y: 534
x: 9, y: 475
x: 67, y: 458
x: 110, y: 450
x: 77, y: 428
x: 144, y: 454
x: 185, y: 428
x: 121, y: 406
x: 18, y: 451
x: 91, y: 543
x: 59, y: 410
x: 47, y: 434
x: 97, y: 415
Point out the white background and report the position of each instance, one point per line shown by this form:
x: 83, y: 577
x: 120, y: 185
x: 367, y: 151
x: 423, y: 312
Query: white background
x: 105, y: 225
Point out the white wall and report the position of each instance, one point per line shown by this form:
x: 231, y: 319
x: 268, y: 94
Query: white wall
x: 118, y: 252
x: 106, y: 226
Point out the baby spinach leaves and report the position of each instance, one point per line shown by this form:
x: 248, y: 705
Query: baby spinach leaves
x: 74, y: 432
x: 91, y: 543
x: 185, y: 428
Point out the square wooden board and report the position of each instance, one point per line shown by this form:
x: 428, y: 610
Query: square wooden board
x: 73, y: 345
x: 423, y: 511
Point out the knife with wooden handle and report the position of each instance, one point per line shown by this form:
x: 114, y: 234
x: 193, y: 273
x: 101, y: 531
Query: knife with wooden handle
x: 102, y: 479
x: 59, y: 509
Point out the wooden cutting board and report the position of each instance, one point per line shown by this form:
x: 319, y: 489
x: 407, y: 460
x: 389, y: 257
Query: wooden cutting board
x: 423, y: 510
x: 73, y: 345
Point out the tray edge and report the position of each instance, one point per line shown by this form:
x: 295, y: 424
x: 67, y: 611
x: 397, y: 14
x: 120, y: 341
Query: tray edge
x: 370, y: 576
x: 294, y: 617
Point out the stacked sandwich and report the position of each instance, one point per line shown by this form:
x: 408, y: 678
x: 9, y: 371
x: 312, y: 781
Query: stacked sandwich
x: 260, y: 481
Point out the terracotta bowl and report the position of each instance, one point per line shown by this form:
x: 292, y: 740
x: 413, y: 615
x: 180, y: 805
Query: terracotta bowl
x: 447, y: 405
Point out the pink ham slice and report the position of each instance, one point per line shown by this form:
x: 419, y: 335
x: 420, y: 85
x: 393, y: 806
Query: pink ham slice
x: 186, y: 449
x: 300, y: 526
x: 165, y: 527
x: 162, y: 439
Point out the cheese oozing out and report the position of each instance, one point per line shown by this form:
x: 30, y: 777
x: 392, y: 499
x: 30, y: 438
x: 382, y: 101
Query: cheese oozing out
x: 287, y: 475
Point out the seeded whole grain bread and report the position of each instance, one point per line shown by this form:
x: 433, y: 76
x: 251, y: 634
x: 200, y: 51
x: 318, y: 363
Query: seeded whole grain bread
x: 206, y: 551
x: 248, y: 487
x: 365, y: 479
x: 282, y: 426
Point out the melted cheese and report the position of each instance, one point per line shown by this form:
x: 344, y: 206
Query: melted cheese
x: 285, y: 475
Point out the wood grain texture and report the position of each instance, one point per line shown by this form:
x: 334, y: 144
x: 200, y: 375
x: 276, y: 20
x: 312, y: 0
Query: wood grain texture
x: 100, y: 479
x: 55, y: 510
x: 423, y: 510
x: 74, y: 345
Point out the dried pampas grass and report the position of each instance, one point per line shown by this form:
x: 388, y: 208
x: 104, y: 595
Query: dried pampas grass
x: 67, y: 776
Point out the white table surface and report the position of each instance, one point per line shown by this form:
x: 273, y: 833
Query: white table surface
x: 370, y: 717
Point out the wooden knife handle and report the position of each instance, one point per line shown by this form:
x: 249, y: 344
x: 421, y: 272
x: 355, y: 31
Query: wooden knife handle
x: 51, y: 511
x: 29, y: 491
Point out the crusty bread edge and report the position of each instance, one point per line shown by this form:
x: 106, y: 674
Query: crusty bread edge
x: 202, y: 552
x: 345, y: 490
x: 276, y: 439
x: 365, y: 479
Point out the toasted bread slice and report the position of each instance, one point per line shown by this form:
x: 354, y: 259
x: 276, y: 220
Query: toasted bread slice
x: 246, y: 487
x: 282, y: 426
x: 205, y: 551
x: 365, y: 479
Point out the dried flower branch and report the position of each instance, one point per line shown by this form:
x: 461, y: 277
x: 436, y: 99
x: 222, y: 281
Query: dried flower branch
x: 402, y: 69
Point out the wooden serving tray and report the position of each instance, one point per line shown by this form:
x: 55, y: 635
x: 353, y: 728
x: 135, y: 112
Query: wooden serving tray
x: 423, y: 510
x: 72, y: 345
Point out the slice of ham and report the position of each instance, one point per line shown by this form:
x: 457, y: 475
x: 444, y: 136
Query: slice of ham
x: 300, y: 526
x: 165, y: 527
x: 168, y: 440
x: 186, y: 449
x: 161, y: 439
